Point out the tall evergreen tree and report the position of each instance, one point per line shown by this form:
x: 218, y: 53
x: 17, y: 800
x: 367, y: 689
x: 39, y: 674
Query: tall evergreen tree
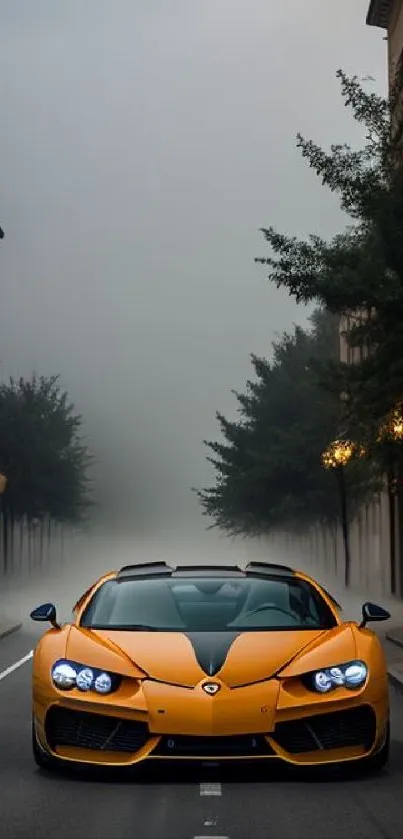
x: 359, y: 274
x: 269, y: 473
x: 42, y: 455
x: 360, y: 271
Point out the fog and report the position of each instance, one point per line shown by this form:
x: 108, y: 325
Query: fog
x: 89, y: 555
x: 143, y: 145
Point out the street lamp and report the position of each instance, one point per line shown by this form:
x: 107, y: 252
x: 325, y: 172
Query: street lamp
x: 337, y: 456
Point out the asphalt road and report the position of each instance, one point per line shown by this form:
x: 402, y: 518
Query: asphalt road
x: 237, y: 804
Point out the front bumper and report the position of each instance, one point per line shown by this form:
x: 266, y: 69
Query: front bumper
x: 264, y: 722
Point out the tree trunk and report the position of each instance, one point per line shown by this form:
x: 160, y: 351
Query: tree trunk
x: 392, y: 529
x: 49, y: 538
x: 400, y: 526
x: 41, y: 540
x: 29, y: 540
x: 344, y: 524
x: 1, y: 536
x: 5, y: 541
x: 324, y: 545
x: 334, y: 533
x: 11, y: 527
x: 21, y: 551
x: 62, y: 542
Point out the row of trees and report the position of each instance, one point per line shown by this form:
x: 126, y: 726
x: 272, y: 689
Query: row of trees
x: 44, y: 462
x: 269, y: 468
x: 269, y: 473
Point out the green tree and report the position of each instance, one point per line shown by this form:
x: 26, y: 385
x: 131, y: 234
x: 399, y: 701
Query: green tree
x: 360, y: 272
x: 361, y: 269
x: 42, y: 455
x: 268, y: 469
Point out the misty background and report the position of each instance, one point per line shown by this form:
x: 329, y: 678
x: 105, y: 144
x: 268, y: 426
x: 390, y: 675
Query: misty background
x: 143, y: 145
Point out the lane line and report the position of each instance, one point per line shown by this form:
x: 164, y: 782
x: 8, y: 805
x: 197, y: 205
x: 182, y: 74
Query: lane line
x: 210, y: 789
x: 15, y: 666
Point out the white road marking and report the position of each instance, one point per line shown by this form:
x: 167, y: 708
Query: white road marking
x: 210, y: 789
x: 211, y: 836
x: 9, y: 670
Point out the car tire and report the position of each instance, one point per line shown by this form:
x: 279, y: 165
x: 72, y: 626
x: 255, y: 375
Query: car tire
x: 41, y: 757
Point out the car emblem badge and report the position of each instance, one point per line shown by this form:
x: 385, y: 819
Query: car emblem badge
x: 211, y: 688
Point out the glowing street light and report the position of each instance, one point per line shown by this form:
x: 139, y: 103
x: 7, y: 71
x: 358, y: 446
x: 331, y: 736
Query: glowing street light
x: 393, y: 427
x: 338, y: 454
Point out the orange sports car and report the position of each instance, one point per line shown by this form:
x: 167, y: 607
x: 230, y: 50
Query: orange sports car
x: 210, y: 663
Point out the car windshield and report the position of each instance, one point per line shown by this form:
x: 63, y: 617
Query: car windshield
x: 211, y: 605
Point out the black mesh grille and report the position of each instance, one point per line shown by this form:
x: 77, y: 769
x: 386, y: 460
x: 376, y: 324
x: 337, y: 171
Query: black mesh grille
x: 246, y: 745
x: 356, y: 727
x: 94, y: 731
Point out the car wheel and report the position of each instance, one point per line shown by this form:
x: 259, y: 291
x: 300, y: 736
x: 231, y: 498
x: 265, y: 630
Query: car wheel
x: 41, y: 757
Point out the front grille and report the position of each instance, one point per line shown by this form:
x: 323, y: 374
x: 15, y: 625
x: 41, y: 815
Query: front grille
x: 94, y: 731
x: 246, y: 745
x: 355, y: 727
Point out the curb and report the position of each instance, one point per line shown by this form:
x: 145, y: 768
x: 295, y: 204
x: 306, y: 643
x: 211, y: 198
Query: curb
x: 395, y: 678
x: 9, y: 630
x: 394, y: 639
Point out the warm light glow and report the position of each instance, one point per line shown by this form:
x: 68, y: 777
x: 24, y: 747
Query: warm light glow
x: 393, y: 427
x: 338, y: 454
x: 398, y: 428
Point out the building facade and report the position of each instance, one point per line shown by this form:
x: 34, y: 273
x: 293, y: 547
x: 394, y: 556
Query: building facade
x: 388, y: 15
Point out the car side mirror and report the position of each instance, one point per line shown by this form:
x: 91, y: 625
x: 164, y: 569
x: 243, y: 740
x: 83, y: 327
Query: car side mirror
x: 46, y: 612
x: 372, y: 612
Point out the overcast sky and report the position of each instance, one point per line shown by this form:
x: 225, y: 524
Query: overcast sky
x: 143, y: 144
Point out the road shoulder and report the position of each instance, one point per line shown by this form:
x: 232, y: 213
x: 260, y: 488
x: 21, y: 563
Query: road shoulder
x: 393, y: 643
x: 8, y: 627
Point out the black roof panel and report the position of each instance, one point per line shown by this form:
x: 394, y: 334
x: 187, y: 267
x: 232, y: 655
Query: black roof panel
x: 208, y: 570
x: 268, y: 568
x: 144, y: 569
x: 162, y: 569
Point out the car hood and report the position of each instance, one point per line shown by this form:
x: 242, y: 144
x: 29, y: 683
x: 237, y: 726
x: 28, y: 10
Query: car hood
x: 186, y: 659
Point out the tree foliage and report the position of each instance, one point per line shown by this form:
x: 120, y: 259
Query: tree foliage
x: 41, y: 452
x: 269, y: 473
x: 361, y: 269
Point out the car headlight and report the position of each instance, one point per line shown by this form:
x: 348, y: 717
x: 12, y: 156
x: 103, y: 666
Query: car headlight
x: 69, y: 674
x: 351, y: 675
